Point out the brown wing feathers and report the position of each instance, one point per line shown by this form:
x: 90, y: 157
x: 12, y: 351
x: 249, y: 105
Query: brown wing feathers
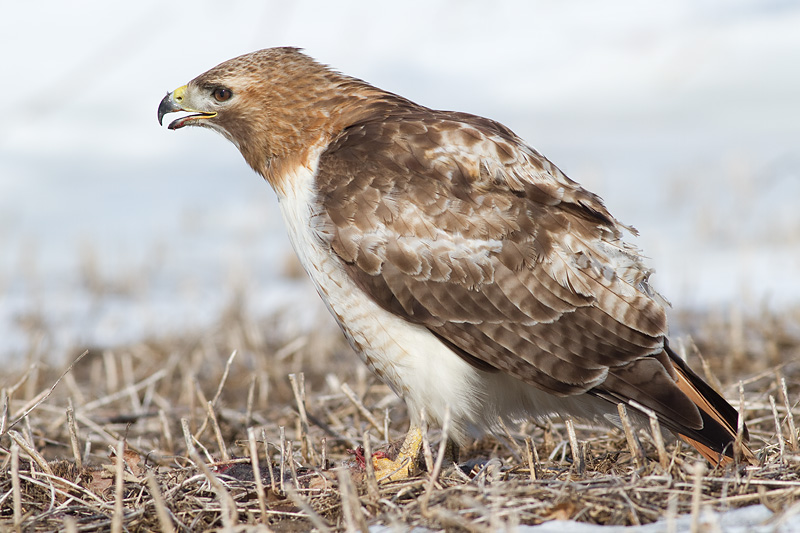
x: 451, y: 222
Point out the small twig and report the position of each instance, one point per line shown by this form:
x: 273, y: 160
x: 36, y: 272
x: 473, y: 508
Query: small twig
x: 110, y: 398
x: 164, y: 521
x: 27, y: 431
x: 251, y: 397
x: 655, y: 430
x: 283, y: 458
x: 633, y: 445
x: 549, y: 442
x: 514, y: 448
x: 658, y: 438
x: 199, y: 446
x: 292, y: 466
x: 3, y: 410
x: 228, y: 505
x: 165, y: 431
x: 738, y: 442
x: 127, y: 377
x: 299, y: 389
x: 110, y: 435
x: 31, y: 451
x: 672, y: 513
x: 73, y: 436
x: 533, y: 459
x: 212, y: 416
x: 198, y: 391
x: 312, y: 515
x: 270, y: 467
x: 32, y: 368
x: 710, y: 377
x: 262, y: 497
x: 437, y: 466
x: 224, y: 378
x: 16, y: 485
x: 75, y: 391
x: 698, y: 471
x: 148, y: 398
x: 191, y: 386
x: 290, y: 348
x: 188, y: 440
x: 345, y: 493
x: 117, y: 517
x: 360, y: 406
x: 369, y: 466
x: 351, y: 507
x: 112, y: 376
x: 789, y: 416
x: 579, y: 462
x: 778, y: 429
x: 42, y: 396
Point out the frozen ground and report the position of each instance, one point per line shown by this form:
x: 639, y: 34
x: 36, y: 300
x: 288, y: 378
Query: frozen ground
x: 753, y: 519
x: 684, y: 116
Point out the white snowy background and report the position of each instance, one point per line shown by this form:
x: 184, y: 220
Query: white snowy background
x: 684, y: 116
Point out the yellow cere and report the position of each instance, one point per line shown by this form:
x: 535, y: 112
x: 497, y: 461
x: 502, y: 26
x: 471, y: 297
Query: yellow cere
x: 177, y: 94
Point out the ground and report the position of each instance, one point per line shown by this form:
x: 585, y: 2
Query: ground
x: 186, y: 412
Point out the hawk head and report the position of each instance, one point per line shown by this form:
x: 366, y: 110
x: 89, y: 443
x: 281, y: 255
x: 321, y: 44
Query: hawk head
x: 272, y: 104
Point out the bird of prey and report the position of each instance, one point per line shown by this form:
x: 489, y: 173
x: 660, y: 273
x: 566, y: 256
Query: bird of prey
x: 465, y: 269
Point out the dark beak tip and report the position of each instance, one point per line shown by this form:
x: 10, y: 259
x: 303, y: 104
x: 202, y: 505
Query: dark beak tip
x: 166, y: 106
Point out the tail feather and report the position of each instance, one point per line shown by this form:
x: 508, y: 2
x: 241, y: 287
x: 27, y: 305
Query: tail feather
x: 718, y: 436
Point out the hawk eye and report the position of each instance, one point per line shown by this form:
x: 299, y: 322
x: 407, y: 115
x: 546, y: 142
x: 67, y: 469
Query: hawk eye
x: 222, y: 94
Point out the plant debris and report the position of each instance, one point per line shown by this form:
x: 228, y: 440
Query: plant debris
x: 248, y: 427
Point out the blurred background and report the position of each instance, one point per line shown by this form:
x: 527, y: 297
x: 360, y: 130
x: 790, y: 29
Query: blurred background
x: 684, y: 116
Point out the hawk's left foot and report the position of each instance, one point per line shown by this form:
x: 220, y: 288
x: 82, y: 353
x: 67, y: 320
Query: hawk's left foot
x: 405, y: 464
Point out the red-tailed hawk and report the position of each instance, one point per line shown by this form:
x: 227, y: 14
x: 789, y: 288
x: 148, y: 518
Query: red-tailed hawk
x: 464, y: 267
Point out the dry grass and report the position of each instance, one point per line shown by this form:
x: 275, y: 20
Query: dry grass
x: 161, y: 435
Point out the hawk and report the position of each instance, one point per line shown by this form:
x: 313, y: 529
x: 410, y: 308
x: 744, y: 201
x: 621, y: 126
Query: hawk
x: 465, y: 269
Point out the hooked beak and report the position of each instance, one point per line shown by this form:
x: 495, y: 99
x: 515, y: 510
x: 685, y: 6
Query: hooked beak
x: 172, y: 103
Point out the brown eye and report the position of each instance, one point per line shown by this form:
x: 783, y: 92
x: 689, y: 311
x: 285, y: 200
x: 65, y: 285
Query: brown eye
x: 221, y: 94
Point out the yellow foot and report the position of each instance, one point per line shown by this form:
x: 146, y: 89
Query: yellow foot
x: 405, y: 464
x: 388, y: 470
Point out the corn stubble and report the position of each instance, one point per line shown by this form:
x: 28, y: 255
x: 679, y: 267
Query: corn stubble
x: 165, y: 434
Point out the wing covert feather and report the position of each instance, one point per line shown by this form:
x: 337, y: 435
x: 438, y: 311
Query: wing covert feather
x: 453, y: 223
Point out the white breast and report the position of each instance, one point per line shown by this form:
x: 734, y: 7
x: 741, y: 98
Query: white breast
x: 410, y: 359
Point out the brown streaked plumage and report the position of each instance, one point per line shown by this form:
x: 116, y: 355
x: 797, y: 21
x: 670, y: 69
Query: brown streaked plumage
x: 465, y: 268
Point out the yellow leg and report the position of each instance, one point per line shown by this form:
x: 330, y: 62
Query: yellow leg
x: 405, y: 463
